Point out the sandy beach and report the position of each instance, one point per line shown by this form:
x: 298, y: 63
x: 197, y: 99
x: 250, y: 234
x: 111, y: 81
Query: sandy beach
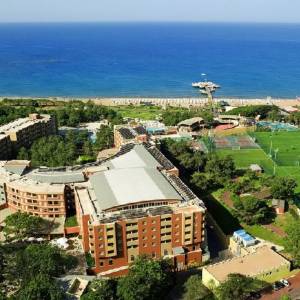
x: 178, y: 102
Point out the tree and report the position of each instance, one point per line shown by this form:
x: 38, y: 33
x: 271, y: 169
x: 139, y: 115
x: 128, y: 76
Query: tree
x: 283, y: 188
x: 41, y: 259
x: 251, y: 210
x: 41, y: 287
x: 201, y: 181
x: 238, y: 287
x: 193, y: 161
x: 147, y: 279
x: 195, y: 290
x: 220, y: 167
x: 252, y: 111
x: 23, y: 154
x: 53, y: 151
x: 2, y: 296
x: 292, y: 240
x: 88, y: 148
x: 20, y: 225
x: 104, y: 139
x: 102, y: 290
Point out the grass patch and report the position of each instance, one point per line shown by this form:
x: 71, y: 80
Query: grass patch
x: 140, y: 112
x: 89, y: 260
x: 283, y: 274
x: 245, y: 157
x: 71, y: 221
x: 287, y: 143
x: 265, y: 234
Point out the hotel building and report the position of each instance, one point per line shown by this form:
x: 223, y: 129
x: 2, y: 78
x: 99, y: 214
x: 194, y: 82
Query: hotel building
x: 130, y: 204
x: 23, y: 132
x: 135, y: 206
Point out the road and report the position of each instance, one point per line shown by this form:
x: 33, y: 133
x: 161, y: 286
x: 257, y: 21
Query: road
x: 293, y: 290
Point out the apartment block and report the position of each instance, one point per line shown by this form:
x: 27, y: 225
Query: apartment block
x: 5, y: 147
x: 23, y: 132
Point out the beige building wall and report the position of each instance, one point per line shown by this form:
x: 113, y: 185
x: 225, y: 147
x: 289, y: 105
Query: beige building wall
x: 43, y: 204
x: 209, y: 280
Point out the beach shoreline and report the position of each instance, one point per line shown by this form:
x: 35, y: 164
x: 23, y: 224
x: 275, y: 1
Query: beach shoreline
x: 170, y: 101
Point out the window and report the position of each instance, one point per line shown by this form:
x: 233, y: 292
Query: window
x: 166, y: 252
x: 101, y: 263
x: 110, y: 262
x: 132, y: 258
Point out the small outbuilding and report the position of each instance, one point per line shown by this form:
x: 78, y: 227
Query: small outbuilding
x: 279, y: 206
x: 262, y: 264
x: 192, y: 124
x: 256, y: 168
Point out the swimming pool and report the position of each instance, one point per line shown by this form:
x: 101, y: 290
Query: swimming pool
x: 277, y: 126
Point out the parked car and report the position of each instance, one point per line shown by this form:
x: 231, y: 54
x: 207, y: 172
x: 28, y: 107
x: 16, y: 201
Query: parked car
x: 284, y: 282
x: 278, y: 285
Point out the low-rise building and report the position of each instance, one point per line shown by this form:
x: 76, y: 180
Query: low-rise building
x: 126, y: 134
x: 192, y: 124
x: 261, y: 264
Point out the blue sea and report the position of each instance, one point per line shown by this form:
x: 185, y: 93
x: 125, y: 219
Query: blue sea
x: 149, y: 59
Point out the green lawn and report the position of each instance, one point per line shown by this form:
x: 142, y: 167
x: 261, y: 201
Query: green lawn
x: 265, y: 234
x: 287, y: 143
x: 245, y: 157
x: 141, y: 112
x: 71, y: 221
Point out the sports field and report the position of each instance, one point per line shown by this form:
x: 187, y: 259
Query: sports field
x: 245, y: 157
x: 285, y: 143
x: 287, y: 158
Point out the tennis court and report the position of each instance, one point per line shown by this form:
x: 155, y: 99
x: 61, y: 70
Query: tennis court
x: 235, y: 142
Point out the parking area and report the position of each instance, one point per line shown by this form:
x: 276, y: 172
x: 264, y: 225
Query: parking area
x: 293, y: 290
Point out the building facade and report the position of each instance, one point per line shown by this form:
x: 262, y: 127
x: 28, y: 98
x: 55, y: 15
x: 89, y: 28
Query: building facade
x: 23, y: 132
x: 131, y: 204
x: 136, y: 207
x: 262, y: 263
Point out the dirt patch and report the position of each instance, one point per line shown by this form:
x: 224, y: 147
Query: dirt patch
x: 275, y: 229
x: 226, y: 198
